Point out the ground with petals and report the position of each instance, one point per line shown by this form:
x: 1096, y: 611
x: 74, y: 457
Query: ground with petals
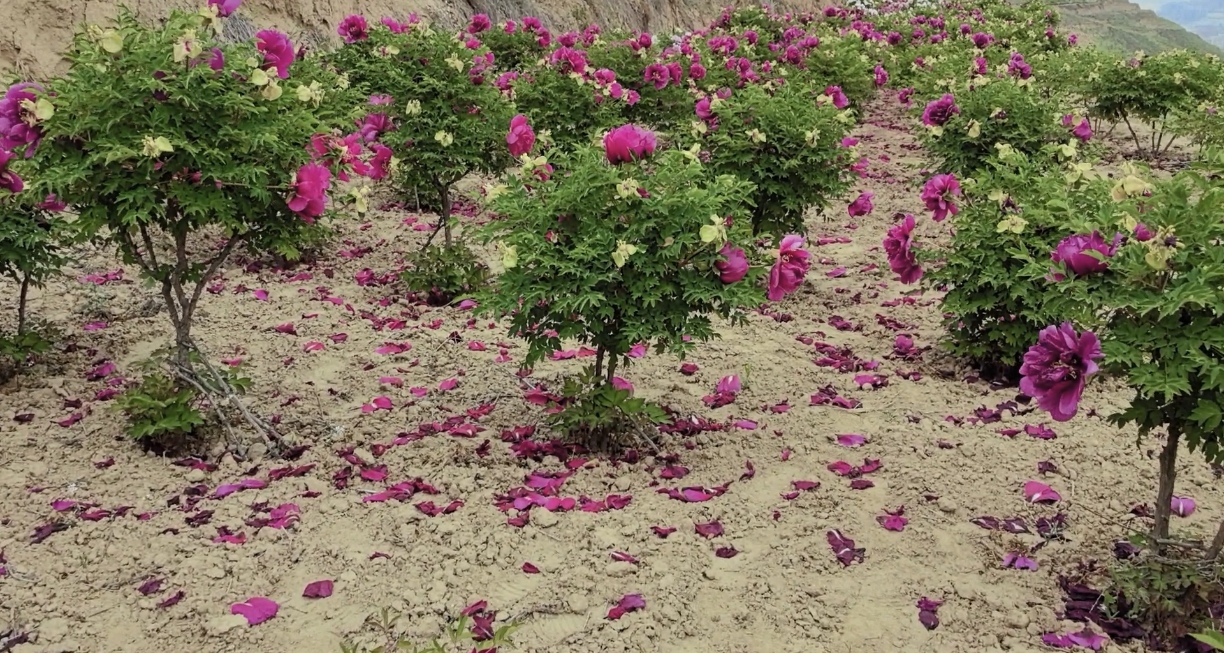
x: 783, y: 591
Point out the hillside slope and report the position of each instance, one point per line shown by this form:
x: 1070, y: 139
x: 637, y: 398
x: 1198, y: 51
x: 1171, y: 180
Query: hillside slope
x: 1126, y: 27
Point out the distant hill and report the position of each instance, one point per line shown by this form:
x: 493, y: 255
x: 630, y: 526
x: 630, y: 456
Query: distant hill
x: 1126, y: 27
x: 1203, y: 17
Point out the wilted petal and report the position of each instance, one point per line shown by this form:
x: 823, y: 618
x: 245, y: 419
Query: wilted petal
x: 708, y: 530
x: 1038, y: 492
x: 319, y: 589
x: 256, y: 609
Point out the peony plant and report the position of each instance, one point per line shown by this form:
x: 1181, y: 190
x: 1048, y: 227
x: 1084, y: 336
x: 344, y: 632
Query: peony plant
x: 623, y: 244
x: 438, y: 114
x: 165, y: 140
x: 31, y: 236
x: 1151, y: 279
x: 786, y: 141
x: 1010, y: 231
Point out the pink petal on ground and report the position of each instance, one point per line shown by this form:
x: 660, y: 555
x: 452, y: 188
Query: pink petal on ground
x: 745, y: 424
x: 749, y: 471
x: 448, y: 384
x: 638, y: 350
x: 688, y: 369
x: 893, y: 521
x: 709, y: 529
x: 861, y: 484
x: 1087, y: 639
x: 622, y: 556
x: 843, y: 548
x: 1182, y: 506
x: 261, y: 295
x: 627, y: 603
x: 338, y: 337
x: 663, y: 531
x: 1038, y: 492
x: 394, y: 381
x: 286, y: 328
x: 840, y: 467
x: 850, y: 439
x: 729, y: 551
x: 319, y: 589
x: 94, y: 326
x: 529, y: 568
x: 172, y: 599
x: 256, y: 609
x: 150, y: 586
x: 312, y: 345
x: 804, y: 486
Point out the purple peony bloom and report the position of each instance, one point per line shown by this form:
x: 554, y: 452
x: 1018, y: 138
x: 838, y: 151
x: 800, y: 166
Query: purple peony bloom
x: 353, y: 28
x: 225, y: 7
x: 897, y: 245
x: 733, y: 265
x: 277, y: 50
x: 789, y: 269
x: 1072, y: 252
x: 17, y: 126
x: 8, y: 179
x: 938, y: 194
x: 1055, y: 369
x: 861, y: 205
x: 1142, y: 233
x: 521, y: 137
x: 939, y: 112
x: 628, y: 142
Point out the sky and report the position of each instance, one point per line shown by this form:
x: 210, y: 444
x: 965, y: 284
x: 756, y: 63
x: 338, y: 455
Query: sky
x: 1149, y: 4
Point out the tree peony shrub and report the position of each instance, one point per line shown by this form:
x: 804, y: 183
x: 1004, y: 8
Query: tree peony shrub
x: 152, y: 144
x: 1004, y: 111
x: 1004, y: 244
x: 31, y: 238
x: 611, y: 255
x: 784, y: 143
x: 1156, y: 310
x: 445, y: 119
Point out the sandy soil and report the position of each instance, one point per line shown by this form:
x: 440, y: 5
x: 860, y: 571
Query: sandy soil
x: 783, y: 592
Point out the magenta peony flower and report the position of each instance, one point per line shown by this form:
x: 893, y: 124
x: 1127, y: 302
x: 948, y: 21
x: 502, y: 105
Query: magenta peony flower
x: 478, y: 24
x: 980, y: 65
x: 353, y: 28
x: 789, y: 268
x: 520, y: 138
x: 839, y: 98
x: 981, y: 41
x: 395, y: 26
x: 605, y: 76
x: 378, y: 163
x: 1142, y: 233
x: 374, y: 125
x: 656, y: 74
x: 938, y: 194
x: 1072, y: 252
x: 9, y: 180
x: 904, y: 95
x: 277, y: 50
x: 627, y: 143
x: 217, y: 60
x: 225, y: 7
x: 1083, y: 130
x: 1055, y: 369
x: 939, y: 112
x: 17, y: 127
x: 702, y: 108
x: 52, y: 203
x: 861, y: 205
x: 881, y: 75
x: 897, y: 245
x: 733, y: 266
x: 310, y: 191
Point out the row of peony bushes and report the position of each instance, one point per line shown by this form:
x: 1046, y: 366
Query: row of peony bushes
x: 1057, y: 271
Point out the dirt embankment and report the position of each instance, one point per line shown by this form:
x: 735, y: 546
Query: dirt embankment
x: 33, y: 33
